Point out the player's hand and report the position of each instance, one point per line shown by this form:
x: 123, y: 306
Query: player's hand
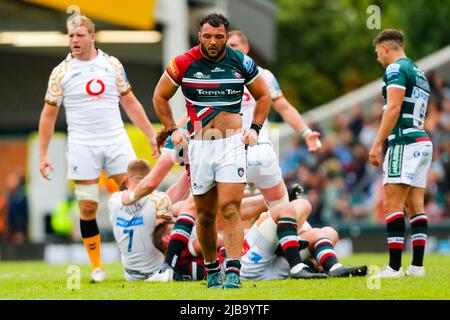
x: 154, y: 144
x: 125, y: 196
x: 45, y: 163
x: 375, y: 154
x: 250, y: 137
x: 313, y: 142
x: 180, y: 137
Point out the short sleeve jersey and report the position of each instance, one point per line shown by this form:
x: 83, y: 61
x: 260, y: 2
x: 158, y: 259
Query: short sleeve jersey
x: 133, y: 228
x: 405, y: 74
x: 90, y: 92
x: 248, y: 103
x: 211, y: 87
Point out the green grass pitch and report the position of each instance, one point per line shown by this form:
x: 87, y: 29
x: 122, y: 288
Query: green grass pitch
x: 37, y: 280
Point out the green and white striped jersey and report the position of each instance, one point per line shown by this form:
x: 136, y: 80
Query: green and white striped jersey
x: 405, y: 74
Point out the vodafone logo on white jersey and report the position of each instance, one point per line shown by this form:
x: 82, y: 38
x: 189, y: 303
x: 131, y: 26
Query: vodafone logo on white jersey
x: 95, y: 87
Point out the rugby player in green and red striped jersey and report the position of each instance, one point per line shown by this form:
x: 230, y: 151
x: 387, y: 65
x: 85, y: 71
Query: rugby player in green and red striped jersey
x: 212, y: 78
x: 405, y: 93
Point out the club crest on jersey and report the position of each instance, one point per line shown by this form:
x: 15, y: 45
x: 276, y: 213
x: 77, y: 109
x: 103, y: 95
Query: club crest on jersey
x: 95, y: 89
x: 241, y: 172
x: 237, y: 74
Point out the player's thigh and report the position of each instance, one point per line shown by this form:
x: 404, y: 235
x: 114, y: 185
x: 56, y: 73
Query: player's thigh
x: 201, y: 159
x: 274, y: 193
x: 117, y: 157
x: 230, y: 163
x: 422, y: 153
x: 83, y: 162
x: 407, y: 164
x: 206, y: 205
x: 263, y: 169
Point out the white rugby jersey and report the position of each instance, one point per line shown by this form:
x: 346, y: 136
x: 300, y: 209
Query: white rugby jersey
x: 248, y: 103
x: 90, y: 92
x: 133, y: 227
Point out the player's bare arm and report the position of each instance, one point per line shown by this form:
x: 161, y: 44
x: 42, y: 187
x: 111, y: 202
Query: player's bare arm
x: 151, y: 181
x: 292, y: 117
x: 136, y: 112
x: 390, y: 116
x: 259, y: 91
x: 46, y: 130
x: 165, y: 90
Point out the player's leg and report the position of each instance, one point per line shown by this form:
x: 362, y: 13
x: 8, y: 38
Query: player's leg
x: 287, y: 217
x: 394, y: 203
x: 276, y: 194
x: 206, y: 205
x: 84, y: 168
x: 252, y: 207
x: 88, y: 197
x: 421, y: 157
x: 229, y: 198
x: 322, y: 244
x: 179, y: 240
x: 419, y: 229
x: 264, y: 172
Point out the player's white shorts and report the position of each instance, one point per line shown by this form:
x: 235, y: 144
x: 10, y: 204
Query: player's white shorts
x: 211, y: 161
x: 408, y: 164
x: 263, y: 169
x: 259, y: 261
x: 86, y: 162
x: 132, y: 276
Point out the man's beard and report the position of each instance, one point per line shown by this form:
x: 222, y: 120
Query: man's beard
x: 206, y: 53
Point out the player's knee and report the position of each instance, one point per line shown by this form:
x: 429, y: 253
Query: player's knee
x: 229, y: 209
x: 316, y: 233
x: 88, y: 209
x: 285, y: 210
x: 331, y: 233
x: 87, y: 192
x: 205, y: 218
x: 392, y: 205
x: 303, y: 206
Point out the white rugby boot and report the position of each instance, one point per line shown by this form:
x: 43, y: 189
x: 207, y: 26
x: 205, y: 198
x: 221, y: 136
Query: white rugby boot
x: 165, y: 276
x: 98, y: 274
x: 415, y: 271
x: 388, y: 272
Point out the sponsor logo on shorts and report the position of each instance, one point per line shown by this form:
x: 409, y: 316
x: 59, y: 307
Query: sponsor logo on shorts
x: 395, y: 160
x: 240, y: 172
x: 196, y: 186
x: 416, y: 154
x: 409, y: 176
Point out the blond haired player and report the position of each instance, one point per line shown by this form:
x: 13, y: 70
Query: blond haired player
x: 133, y: 225
x: 91, y: 84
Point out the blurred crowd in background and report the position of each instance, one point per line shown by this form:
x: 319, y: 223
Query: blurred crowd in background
x: 340, y: 182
